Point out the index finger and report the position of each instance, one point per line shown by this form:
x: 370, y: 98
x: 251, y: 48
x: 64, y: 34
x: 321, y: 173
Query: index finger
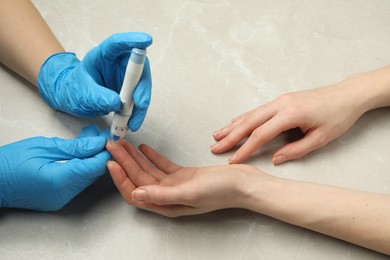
x: 121, y: 181
x: 132, y: 169
x: 142, y: 162
x: 260, y: 136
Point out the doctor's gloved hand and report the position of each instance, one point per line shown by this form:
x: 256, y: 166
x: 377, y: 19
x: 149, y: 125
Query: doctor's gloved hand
x: 90, y: 87
x: 45, y: 174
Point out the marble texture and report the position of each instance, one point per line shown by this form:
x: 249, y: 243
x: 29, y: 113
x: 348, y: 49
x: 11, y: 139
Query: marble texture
x: 210, y: 60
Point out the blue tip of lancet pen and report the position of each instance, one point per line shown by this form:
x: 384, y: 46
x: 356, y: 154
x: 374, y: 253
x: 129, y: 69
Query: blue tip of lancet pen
x: 114, y: 138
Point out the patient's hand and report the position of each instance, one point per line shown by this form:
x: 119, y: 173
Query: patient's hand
x: 159, y: 185
x: 322, y: 114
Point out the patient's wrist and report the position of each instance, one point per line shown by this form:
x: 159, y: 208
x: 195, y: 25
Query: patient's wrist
x: 371, y: 89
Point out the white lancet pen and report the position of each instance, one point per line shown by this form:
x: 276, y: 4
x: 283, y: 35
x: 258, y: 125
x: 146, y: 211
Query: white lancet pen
x: 132, y: 76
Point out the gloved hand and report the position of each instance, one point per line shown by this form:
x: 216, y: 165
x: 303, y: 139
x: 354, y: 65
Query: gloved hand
x: 44, y: 174
x: 90, y: 87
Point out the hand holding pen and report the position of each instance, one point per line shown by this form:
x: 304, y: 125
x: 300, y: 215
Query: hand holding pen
x: 90, y: 87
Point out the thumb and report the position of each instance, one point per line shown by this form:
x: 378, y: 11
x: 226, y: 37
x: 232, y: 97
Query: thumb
x: 89, y: 130
x: 311, y: 141
x: 102, y: 101
x: 116, y: 44
x: 159, y: 195
x: 88, y: 168
x: 75, y: 175
x: 92, y: 99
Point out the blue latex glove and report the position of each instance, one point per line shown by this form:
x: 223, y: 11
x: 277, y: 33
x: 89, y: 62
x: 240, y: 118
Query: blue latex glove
x: 90, y: 87
x: 44, y: 174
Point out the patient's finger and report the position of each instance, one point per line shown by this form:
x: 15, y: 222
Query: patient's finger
x: 142, y: 162
x: 129, y: 165
x: 121, y: 181
x: 161, y: 162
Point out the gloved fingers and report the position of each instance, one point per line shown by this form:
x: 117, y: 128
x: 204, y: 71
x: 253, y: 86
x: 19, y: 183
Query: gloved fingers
x: 93, y: 130
x: 141, y: 97
x: 137, y: 118
x: 88, y: 168
x: 73, y: 176
x: 89, y: 99
x: 143, y: 91
x: 60, y: 149
x: 105, y: 133
x: 102, y: 101
x: 89, y: 130
x: 118, y: 44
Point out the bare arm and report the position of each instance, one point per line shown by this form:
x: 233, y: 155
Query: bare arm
x: 358, y: 217
x: 25, y: 38
x: 171, y: 190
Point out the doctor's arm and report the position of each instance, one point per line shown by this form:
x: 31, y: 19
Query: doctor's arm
x: 26, y: 39
x: 86, y: 88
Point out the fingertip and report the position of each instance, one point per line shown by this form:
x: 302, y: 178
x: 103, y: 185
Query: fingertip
x: 143, y: 147
x: 217, y: 134
x: 111, y: 101
x: 135, y: 126
x: 105, y: 133
x: 90, y: 145
x: 278, y: 159
x: 295, y: 150
x: 89, y: 130
x: 214, y: 147
x: 102, y: 100
x: 109, y: 164
x: 111, y: 143
x: 139, y: 194
x: 112, y: 166
x: 112, y: 146
x: 145, y: 39
x: 137, y: 118
x: 233, y: 159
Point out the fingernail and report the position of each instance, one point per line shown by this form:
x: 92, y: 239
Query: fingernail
x: 214, y: 146
x: 278, y: 159
x: 139, y: 195
x: 232, y: 159
x: 217, y: 133
x: 113, y: 143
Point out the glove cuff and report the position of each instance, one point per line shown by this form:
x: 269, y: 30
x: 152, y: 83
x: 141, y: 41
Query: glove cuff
x: 51, y: 71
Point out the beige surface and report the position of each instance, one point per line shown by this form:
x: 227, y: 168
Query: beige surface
x: 211, y: 60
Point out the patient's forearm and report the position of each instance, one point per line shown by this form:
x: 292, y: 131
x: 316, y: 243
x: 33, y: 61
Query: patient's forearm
x: 370, y: 89
x: 359, y: 217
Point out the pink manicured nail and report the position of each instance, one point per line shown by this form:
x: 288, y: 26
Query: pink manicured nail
x: 217, y: 133
x: 113, y: 143
x: 214, y: 146
x: 109, y: 162
x: 139, y: 195
x: 232, y: 159
x: 278, y: 159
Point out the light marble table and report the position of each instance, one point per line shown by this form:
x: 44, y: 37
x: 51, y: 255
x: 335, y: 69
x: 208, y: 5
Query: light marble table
x: 210, y: 60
